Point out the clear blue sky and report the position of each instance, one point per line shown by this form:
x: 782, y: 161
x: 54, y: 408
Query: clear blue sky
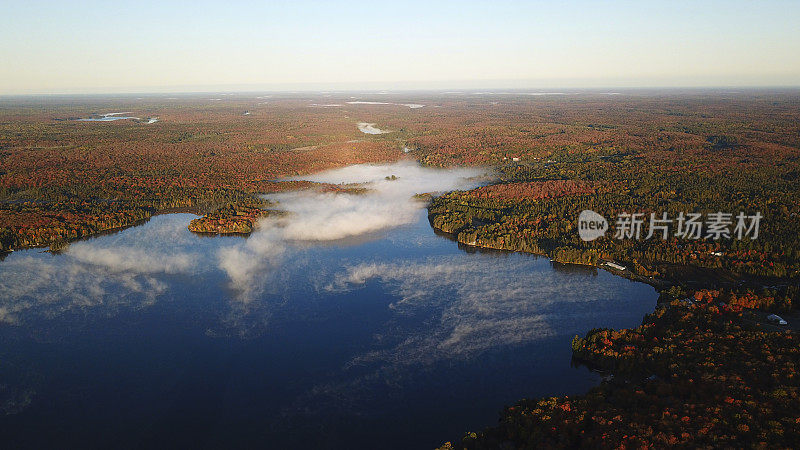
x: 144, y: 46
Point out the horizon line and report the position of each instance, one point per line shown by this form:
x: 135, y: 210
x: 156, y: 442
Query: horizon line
x: 554, y: 90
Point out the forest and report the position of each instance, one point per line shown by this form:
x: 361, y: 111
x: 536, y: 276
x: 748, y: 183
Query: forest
x: 681, y: 163
x: 702, y: 371
x: 61, y: 179
x: 695, y: 374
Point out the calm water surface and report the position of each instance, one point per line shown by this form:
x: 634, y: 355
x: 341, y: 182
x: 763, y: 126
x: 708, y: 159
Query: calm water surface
x: 333, y: 327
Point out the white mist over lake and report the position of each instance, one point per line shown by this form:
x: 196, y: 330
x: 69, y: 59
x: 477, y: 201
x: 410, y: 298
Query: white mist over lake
x: 319, y: 216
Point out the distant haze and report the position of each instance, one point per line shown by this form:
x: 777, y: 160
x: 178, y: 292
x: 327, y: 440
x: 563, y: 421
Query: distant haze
x: 148, y: 46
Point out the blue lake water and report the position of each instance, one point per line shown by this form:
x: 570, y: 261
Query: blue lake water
x: 349, y: 324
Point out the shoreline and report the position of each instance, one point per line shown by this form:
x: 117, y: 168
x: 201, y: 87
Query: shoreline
x: 657, y: 283
x: 714, y: 278
x: 196, y: 209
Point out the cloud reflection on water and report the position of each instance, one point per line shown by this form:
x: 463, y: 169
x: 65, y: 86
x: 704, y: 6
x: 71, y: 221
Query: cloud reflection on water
x: 483, y: 302
x: 49, y: 288
x: 452, y: 309
x: 110, y: 271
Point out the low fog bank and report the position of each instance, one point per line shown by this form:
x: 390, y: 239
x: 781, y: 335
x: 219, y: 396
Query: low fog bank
x: 318, y: 216
x: 389, y: 202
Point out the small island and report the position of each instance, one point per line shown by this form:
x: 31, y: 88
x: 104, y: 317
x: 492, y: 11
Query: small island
x: 228, y: 219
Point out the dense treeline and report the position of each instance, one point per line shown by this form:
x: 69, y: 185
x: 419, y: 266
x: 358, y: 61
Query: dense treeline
x: 700, y: 375
x: 65, y: 171
x: 57, y: 216
x: 547, y: 224
x: 645, y: 155
x: 236, y: 218
x: 705, y: 372
x: 61, y: 179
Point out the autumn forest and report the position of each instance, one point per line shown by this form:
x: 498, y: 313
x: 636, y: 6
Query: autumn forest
x: 705, y: 369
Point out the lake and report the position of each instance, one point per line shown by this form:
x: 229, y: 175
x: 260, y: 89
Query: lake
x: 346, y: 323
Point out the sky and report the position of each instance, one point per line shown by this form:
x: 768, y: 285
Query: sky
x: 184, y: 46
